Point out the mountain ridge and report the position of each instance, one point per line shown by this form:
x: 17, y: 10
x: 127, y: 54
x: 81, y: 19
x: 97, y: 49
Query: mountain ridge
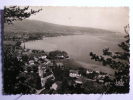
x: 45, y: 27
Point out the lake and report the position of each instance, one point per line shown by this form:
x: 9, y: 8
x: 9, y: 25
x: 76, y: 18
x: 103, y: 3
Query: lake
x: 77, y: 46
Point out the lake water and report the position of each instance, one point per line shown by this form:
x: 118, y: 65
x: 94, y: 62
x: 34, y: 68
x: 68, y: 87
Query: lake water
x: 77, y: 46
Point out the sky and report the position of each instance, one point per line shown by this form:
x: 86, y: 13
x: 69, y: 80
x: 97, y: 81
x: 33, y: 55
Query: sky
x: 109, y: 18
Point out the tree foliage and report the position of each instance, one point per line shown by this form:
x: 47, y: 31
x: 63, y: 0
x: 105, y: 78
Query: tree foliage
x: 57, y: 54
x: 15, y: 13
x: 12, y: 66
x: 118, y: 60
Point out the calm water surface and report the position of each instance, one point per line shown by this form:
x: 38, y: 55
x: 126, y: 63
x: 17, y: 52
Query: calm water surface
x: 77, y: 46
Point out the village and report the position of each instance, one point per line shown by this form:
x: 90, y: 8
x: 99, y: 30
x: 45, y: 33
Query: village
x: 51, y: 73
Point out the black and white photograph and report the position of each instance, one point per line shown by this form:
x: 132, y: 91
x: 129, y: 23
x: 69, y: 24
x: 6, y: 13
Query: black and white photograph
x: 65, y: 50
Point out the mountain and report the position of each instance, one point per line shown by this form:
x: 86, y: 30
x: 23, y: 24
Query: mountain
x: 33, y: 26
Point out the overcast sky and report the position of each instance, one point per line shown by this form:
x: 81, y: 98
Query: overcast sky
x: 110, y: 18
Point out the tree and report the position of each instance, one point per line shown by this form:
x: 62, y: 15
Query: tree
x: 117, y: 60
x: 15, y: 13
x: 57, y: 54
x: 13, y: 67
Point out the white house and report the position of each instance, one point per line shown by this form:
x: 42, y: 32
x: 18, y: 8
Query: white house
x: 74, y: 74
x: 44, y: 57
x: 31, y: 62
x: 89, y: 72
x: 79, y: 81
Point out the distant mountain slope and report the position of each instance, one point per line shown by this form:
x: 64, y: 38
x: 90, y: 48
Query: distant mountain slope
x: 43, y: 27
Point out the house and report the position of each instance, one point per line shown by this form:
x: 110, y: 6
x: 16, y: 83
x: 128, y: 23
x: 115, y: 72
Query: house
x: 101, y: 81
x: 101, y: 78
x: 55, y: 86
x: 43, y: 57
x: 59, y: 64
x: 74, y: 74
x: 98, y: 72
x: 89, y: 72
x: 26, y: 71
x: 31, y: 62
x: 79, y: 81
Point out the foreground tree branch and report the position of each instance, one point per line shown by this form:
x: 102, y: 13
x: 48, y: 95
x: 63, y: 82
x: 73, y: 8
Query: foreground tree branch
x: 118, y: 61
x: 15, y: 13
